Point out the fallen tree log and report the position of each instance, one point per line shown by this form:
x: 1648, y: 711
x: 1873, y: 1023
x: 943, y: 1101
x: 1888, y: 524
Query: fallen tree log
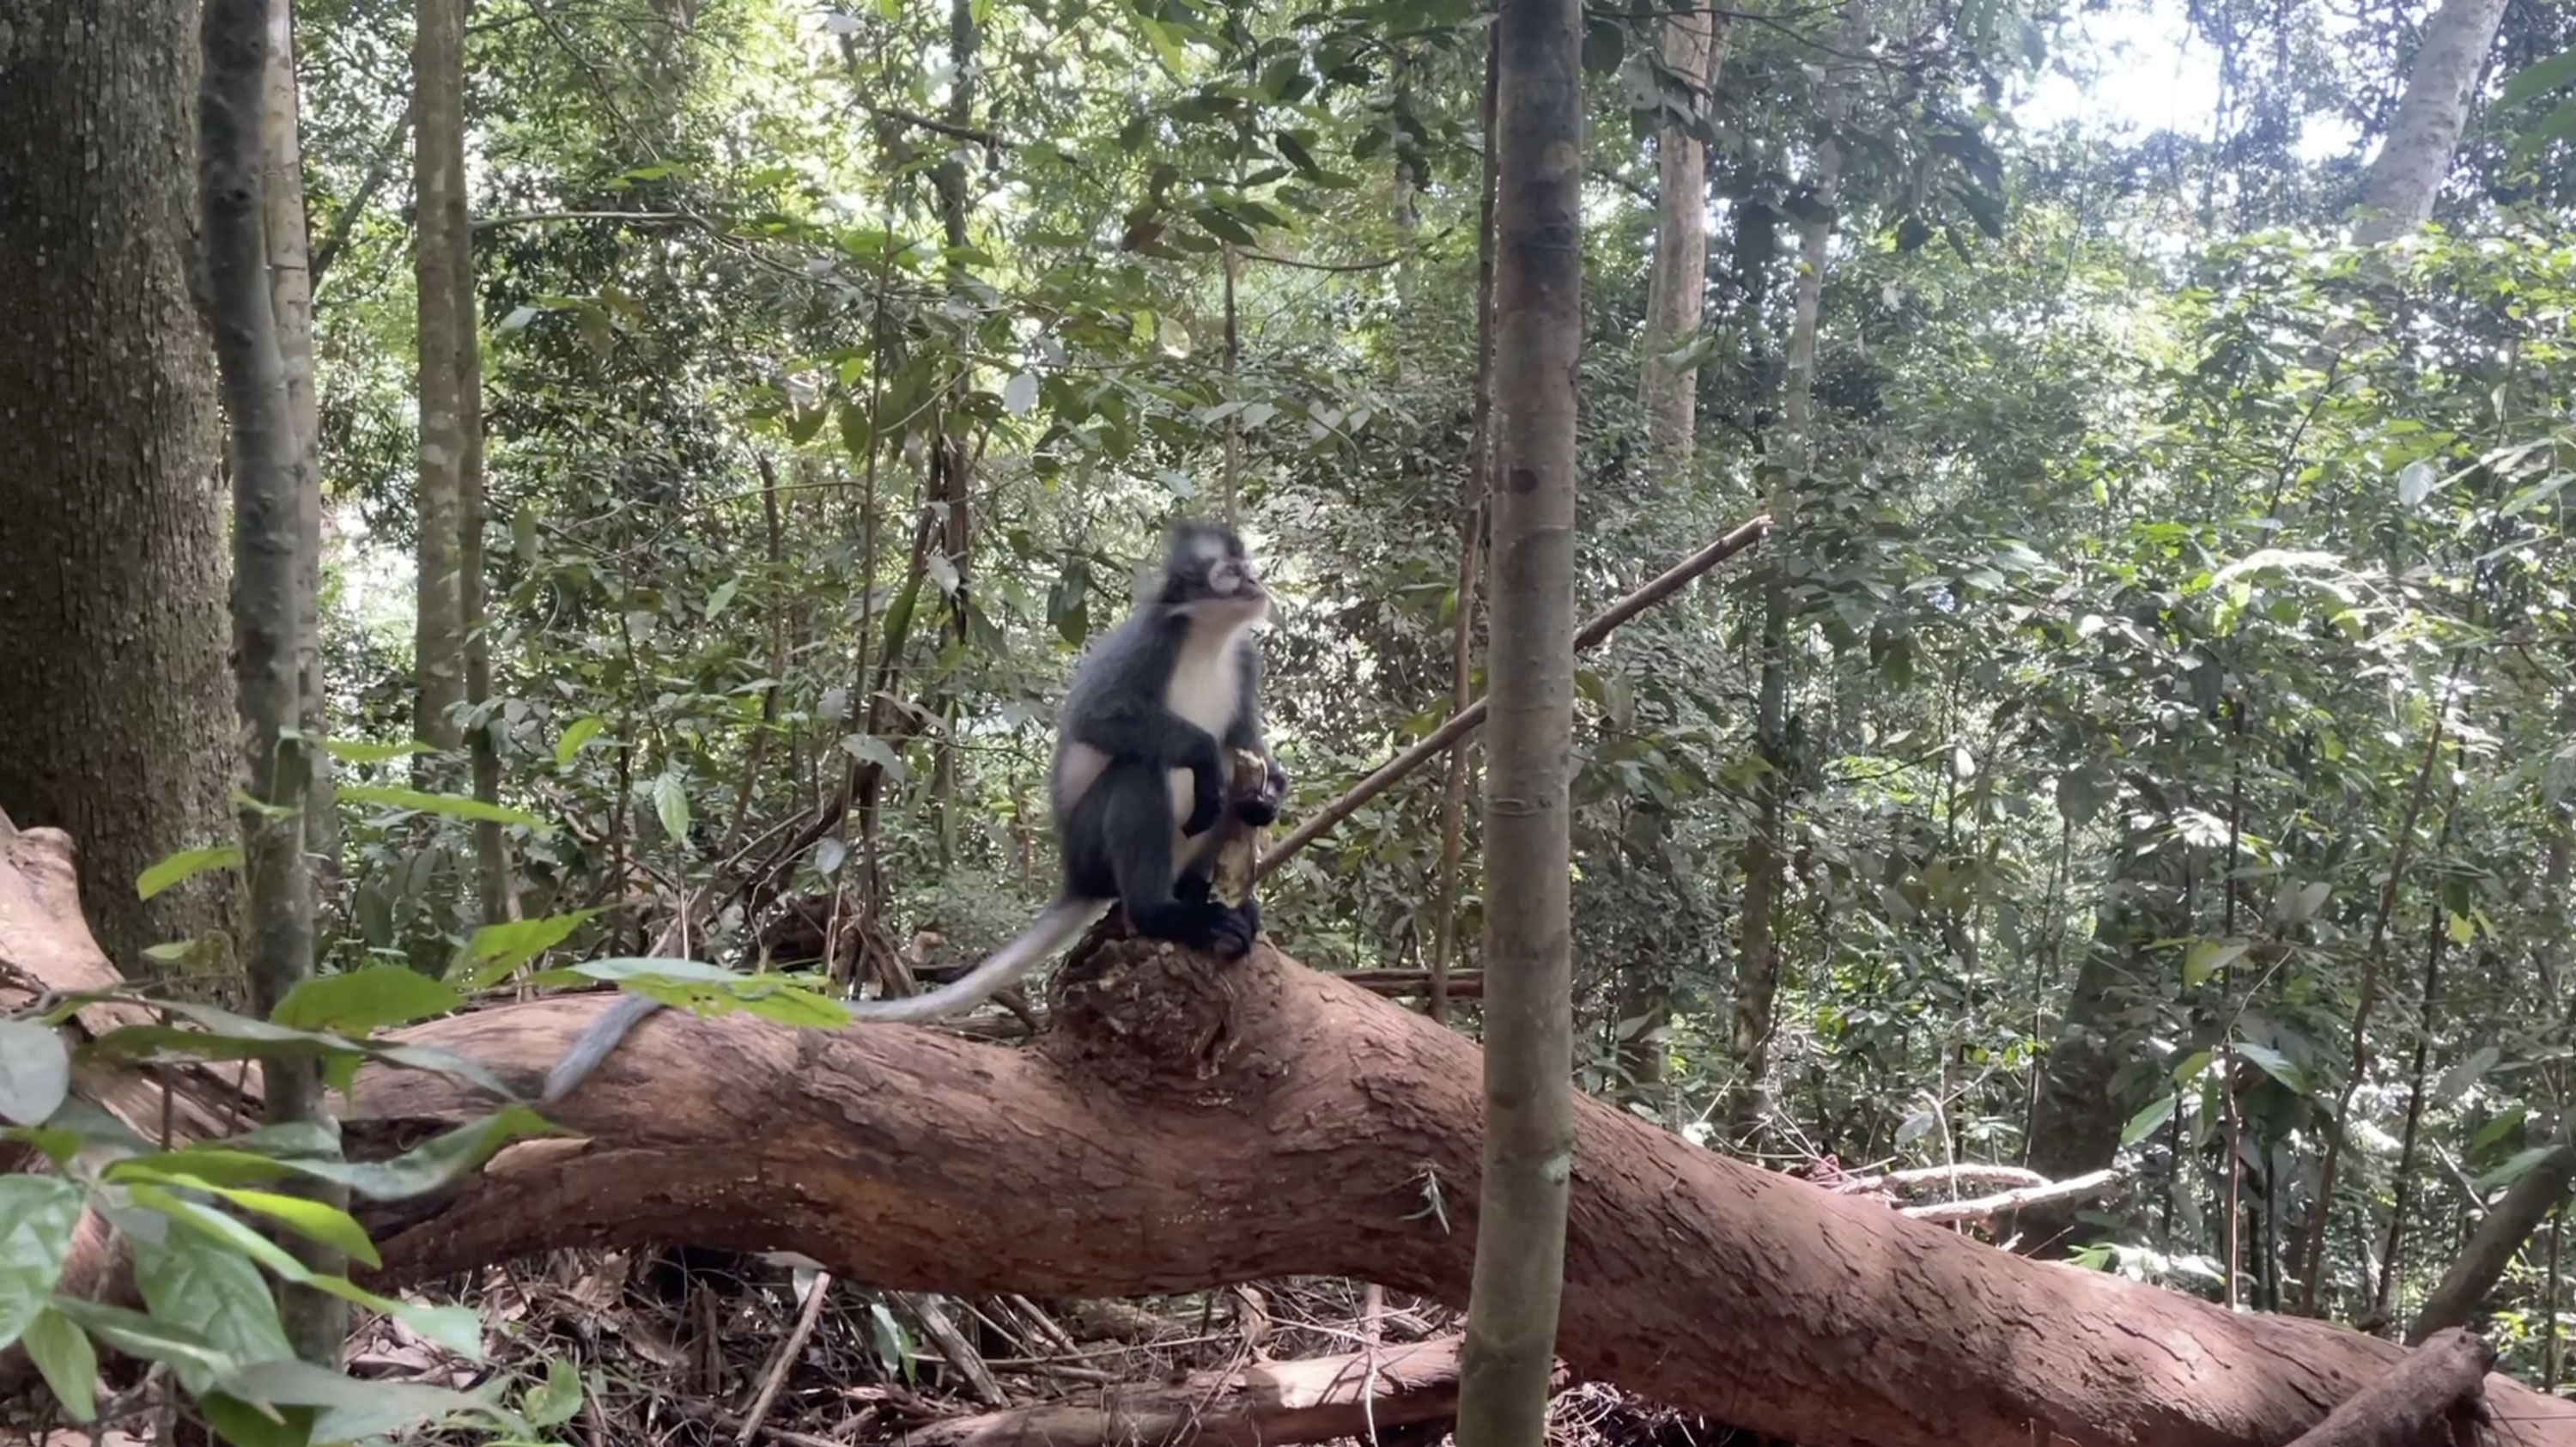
x: 2416, y: 1402
x: 1183, y: 1124
x: 1263, y: 1404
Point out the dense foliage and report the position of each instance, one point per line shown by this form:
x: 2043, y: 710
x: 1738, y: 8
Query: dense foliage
x: 2175, y: 765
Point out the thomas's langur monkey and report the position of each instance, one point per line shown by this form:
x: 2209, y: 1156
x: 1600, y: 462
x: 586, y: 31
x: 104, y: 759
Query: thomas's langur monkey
x: 1141, y: 775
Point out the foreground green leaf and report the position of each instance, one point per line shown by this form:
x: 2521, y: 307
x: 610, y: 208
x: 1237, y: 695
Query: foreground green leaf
x: 68, y: 1363
x: 38, y: 1215
x: 185, y: 865
x: 35, y: 1072
x: 365, y: 1000
x: 454, y: 806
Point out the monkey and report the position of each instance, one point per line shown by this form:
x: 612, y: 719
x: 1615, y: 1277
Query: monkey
x: 1138, y: 784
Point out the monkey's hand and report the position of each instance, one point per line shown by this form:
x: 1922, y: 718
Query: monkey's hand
x: 1207, y: 788
x: 1230, y: 931
x: 1262, y: 808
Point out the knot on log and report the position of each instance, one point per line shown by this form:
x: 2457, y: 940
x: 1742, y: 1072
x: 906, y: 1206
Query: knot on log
x: 1150, y: 1019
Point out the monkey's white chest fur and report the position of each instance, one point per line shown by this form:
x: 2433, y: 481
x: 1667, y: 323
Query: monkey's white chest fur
x: 1206, y: 685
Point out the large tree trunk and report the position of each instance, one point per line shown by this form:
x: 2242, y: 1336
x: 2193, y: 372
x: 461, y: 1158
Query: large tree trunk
x: 2398, y: 193
x: 1182, y: 1124
x: 1529, y: 1007
x: 115, y: 722
x: 438, y: 110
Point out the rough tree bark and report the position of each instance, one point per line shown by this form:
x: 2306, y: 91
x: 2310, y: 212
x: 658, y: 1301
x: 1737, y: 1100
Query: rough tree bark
x: 277, y: 941
x: 114, y: 723
x: 2398, y: 193
x: 438, y: 180
x: 1183, y: 1124
x: 1529, y: 1003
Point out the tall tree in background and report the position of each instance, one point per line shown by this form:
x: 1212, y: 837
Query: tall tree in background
x: 1757, y: 979
x: 268, y: 575
x: 1668, y: 396
x: 452, y: 652
x: 1666, y: 391
x: 438, y: 168
x: 1474, y: 505
x: 113, y: 724
x: 290, y: 289
x: 1529, y: 1026
x: 2398, y: 194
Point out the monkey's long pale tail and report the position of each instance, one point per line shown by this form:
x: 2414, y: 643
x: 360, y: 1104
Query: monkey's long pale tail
x: 594, y: 1045
x: 1057, y: 926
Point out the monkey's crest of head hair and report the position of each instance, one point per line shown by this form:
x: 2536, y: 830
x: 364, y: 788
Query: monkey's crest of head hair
x: 1206, y: 564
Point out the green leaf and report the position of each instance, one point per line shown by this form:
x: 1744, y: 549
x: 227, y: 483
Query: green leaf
x: 314, y: 1220
x: 353, y: 1409
x: 870, y: 749
x: 2497, y: 1129
x: 2517, y: 1167
x: 61, y: 1351
x: 1166, y: 46
x: 37, y: 1217
x: 2145, y: 1122
x: 2274, y: 1064
x: 350, y: 751
x: 2538, y: 493
x: 244, y: 1424
x: 2414, y: 482
x: 671, y: 806
x: 227, y: 1036
x: 581, y: 732
x: 187, y: 864
x: 2190, y: 1066
x: 209, y: 1288
x: 2208, y: 957
x: 454, y: 806
x: 2558, y: 125
x: 436, y: 1163
x: 2538, y: 79
x: 364, y: 1000
x: 1020, y: 394
x: 197, y: 1361
x: 2457, y: 1080
x: 722, y: 598
x: 496, y: 949
x: 456, y: 1328
x: 35, y: 1072
x: 712, y: 990
x: 554, y: 1401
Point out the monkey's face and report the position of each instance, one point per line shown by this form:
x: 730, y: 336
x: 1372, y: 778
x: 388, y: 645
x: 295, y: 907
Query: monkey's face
x: 1208, y: 573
